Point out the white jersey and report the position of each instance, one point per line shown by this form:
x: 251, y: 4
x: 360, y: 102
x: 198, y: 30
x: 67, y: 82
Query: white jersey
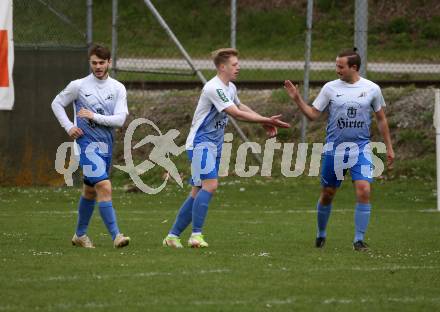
x: 107, y: 99
x: 209, y: 121
x: 350, y: 107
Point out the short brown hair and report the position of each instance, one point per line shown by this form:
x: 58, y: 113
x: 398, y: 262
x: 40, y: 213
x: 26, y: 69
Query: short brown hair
x: 221, y: 56
x: 100, y: 51
x: 352, y: 56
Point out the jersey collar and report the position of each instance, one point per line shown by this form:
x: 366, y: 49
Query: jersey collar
x: 221, y: 81
x: 99, y: 82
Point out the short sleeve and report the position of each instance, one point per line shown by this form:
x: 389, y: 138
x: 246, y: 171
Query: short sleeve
x: 236, y: 100
x: 378, y: 101
x: 218, y: 98
x: 121, y: 101
x: 322, y: 100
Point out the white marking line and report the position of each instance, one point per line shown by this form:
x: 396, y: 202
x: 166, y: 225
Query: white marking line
x: 220, y: 303
x: 228, y: 211
x: 299, y: 211
x: 372, y: 269
x: 146, y: 211
x: 391, y: 299
x: 63, y: 278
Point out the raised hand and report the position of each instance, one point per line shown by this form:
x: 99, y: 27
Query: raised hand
x: 291, y: 89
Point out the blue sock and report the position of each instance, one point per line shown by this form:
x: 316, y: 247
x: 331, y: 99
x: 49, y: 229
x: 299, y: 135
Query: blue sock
x: 361, y: 219
x: 85, y: 211
x: 109, y: 217
x: 200, y: 209
x: 323, y: 215
x: 184, y: 217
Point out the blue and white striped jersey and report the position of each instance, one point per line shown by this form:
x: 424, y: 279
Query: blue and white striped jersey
x: 105, y: 98
x: 350, y: 107
x: 209, y: 121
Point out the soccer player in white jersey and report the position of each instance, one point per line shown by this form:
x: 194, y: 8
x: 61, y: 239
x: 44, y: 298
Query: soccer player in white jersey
x: 100, y: 105
x: 350, y: 101
x: 204, y: 144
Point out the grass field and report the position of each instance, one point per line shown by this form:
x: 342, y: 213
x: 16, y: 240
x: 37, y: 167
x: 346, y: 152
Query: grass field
x: 261, y: 257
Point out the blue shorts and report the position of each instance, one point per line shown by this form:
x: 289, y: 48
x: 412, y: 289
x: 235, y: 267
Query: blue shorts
x: 205, y: 163
x: 95, y: 164
x: 332, y: 175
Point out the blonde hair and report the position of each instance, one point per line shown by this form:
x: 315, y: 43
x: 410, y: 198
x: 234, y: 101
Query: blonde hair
x: 221, y: 56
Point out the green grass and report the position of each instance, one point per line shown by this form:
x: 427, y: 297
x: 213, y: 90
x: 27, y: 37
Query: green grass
x: 274, y: 33
x: 36, y: 25
x: 261, y: 233
x: 267, y: 34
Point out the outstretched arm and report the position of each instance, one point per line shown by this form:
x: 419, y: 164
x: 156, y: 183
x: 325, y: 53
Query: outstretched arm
x: 251, y: 116
x: 309, y: 111
x: 246, y: 108
x: 384, y: 130
x: 271, y: 130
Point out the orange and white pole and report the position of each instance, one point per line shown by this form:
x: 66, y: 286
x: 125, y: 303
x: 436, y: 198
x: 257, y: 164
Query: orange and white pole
x: 6, y: 56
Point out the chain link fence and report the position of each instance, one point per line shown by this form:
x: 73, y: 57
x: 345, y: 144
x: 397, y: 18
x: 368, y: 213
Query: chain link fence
x: 49, y: 23
x: 269, y: 34
x: 50, y: 51
x: 148, y: 53
x: 271, y: 38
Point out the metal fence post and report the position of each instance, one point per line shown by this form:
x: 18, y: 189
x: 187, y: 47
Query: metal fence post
x: 233, y: 24
x: 89, y: 32
x: 114, y: 36
x: 191, y: 64
x: 437, y: 139
x: 175, y: 40
x: 307, y: 65
x: 361, y: 32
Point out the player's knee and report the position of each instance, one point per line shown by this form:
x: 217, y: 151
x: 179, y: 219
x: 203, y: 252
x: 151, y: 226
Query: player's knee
x: 327, y: 195
x: 194, y: 191
x: 363, y: 193
x: 210, y: 186
x: 89, y: 193
x: 326, y: 200
x: 363, y: 197
x: 104, y: 190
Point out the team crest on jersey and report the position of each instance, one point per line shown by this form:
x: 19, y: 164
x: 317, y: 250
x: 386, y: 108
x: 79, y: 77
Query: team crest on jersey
x: 363, y: 94
x: 221, y: 124
x: 222, y: 95
x: 351, y: 112
x: 109, y: 97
